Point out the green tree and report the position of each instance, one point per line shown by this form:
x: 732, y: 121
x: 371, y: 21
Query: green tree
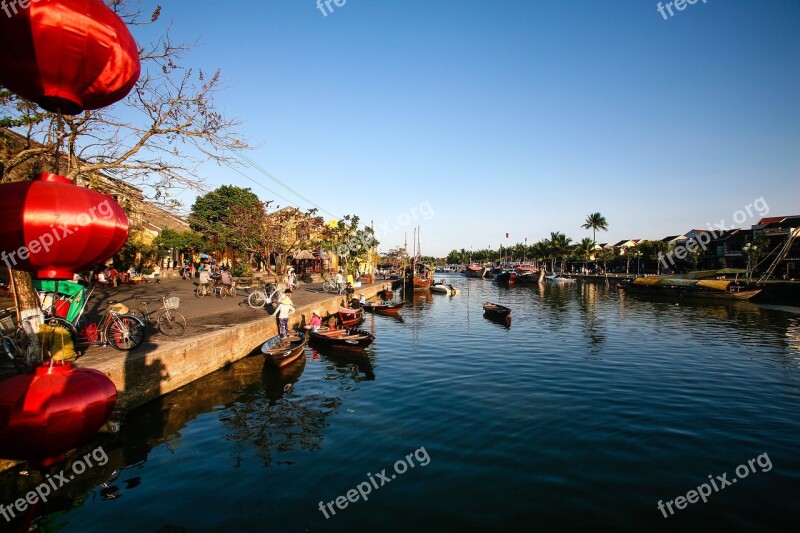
x: 214, y: 214
x: 595, y: 221
x: 585, y: 249
x: 560, y: 247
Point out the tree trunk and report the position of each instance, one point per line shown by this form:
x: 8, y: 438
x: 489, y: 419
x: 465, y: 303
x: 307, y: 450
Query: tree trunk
x: 27, y: 301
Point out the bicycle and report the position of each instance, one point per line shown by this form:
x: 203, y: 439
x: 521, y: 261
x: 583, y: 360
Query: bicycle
x: 272, y: 292
x: 118, y: 328
x: 329, y: 285
x: 169, y: 321
x: 223, y: 291
x: 203, y: 289
x: 16, y: 344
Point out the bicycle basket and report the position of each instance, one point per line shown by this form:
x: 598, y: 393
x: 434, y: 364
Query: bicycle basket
x: 7, y: 324
x: 120, y: 309
x: 173, y: 302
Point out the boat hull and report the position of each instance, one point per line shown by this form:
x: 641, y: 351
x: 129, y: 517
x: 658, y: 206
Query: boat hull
x: 350, y: 317
x: 384, y: 309
x: 342, y: 339
x: 283, y: 352
x: 693, y: 293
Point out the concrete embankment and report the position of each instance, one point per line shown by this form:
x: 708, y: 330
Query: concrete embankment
x: 159, y: 367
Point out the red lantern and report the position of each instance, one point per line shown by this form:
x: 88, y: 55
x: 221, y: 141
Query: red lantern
x: 54, y: 228
x: 58, y: 408
x: 66, y: 55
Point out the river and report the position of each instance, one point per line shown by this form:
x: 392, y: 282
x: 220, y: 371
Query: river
x: 589, y: 410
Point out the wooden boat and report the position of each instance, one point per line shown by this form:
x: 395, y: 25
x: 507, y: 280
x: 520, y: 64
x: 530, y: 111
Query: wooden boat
x: 349, y: 316
x: 706, y: 289
x: 474, y: 271
x: 496, y: 311
x: 444, y: 288
x: 558, y: 279
x: 383, y: 308
x: 282, y: 352
x: 343, y: 339
x: 506, y: 277
x: 529, y: 277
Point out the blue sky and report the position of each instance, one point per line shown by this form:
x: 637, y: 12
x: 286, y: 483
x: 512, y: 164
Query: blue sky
x: 477, y: 118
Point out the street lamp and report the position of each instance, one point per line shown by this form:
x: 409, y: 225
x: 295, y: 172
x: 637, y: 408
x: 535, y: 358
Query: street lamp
x: 638, y: 262
x: 747, y: 248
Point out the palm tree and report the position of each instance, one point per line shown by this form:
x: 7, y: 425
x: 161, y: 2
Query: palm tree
x: 595, y: 221
x: 560, y: 246
x: 540, y: 251
x: 584, y: 249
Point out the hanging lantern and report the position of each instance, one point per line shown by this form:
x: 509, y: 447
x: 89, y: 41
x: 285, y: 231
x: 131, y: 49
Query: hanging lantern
x: 67, y: 55
x: 52, y: 411
x: 54, y: 228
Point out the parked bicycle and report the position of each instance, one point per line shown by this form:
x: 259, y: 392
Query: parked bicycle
x: 166, y: 318
x: 329, y: 285
x: 271, y: 293
x: 117, y: 328
x: 15, y: 340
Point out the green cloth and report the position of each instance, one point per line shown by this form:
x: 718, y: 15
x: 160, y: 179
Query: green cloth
x: 74, y: 292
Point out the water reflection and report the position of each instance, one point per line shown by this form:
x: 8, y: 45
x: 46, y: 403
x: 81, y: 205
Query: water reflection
x: 349, y: 367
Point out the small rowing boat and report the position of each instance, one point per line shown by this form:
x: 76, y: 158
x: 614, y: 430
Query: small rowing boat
x: 349, y: 316
x: 496, y: 311
x: 345, y: 339
x: 281, y: 352
x: 383, y: 308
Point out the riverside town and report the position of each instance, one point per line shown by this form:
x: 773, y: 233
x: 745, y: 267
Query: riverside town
x: 257, y: 264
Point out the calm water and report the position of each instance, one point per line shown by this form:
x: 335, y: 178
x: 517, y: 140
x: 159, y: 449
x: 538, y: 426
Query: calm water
x: 589, y: 409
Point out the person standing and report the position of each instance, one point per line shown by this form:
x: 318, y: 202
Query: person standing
x: 283, y: 310
x: 339, y: 281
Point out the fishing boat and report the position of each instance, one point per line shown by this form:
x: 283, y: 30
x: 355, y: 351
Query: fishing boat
x: 343, y: 339
x: 349, y: 316
x: 496, y: 311
x: 713, y: 289
x: 444, y: 288
x: 281, y: 352
x: 529, y: 277
x: 474, y: 271
x: 506, y: 277
x: 383, y: 308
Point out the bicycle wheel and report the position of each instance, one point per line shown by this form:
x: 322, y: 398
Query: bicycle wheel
x: 201, y: 291
x: 124, y: 332
x: 13, y: 352
x: 257, y: 300
x: 171, y: 323
x: 223, y: 292
x: 29, y: 350
x: 276, y: 296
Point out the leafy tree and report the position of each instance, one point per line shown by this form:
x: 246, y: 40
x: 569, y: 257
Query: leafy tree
x: 214, y: 215
x: 585, y: 249
x: 560, y: 247
x: 595, y: 221
x: 161, y: 145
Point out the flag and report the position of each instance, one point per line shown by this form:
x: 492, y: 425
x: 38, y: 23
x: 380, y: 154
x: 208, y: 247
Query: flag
x: 506, y: 235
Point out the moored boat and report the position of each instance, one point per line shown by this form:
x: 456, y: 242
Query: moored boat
x: 441, y: 287
x: 474, y: 271
x: 349, y: 316
x: 383, y: 308
x: 558, y: 279
x: 497, y: 311
x: 281, y: 352
x: 344, y: 339
x: 530, y: 277
x: 713, y: 289
x: 506, y: 277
